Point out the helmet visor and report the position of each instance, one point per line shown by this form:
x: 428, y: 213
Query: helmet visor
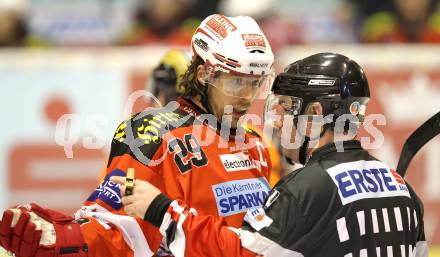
x: 278, y: 106
x: 241, y: 85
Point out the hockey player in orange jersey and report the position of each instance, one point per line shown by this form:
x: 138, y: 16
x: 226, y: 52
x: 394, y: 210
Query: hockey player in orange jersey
x: 193, y: 150
x: 343, y: 202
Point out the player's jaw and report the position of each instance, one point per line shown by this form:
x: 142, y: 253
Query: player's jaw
x: 236, y: 115
x: 223, y: 113
x: 239, y: 111
x: 228, y: 108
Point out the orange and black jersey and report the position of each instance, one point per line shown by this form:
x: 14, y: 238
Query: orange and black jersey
x: 341, y: 203
x: 183, y: 152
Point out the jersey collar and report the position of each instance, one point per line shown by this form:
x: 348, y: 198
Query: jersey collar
x: 190, y: 107
x: 330, y: 148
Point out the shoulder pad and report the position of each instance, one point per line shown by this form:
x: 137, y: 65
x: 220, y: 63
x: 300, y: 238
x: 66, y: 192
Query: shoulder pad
x: 150, y: 126
x: 141, y: 135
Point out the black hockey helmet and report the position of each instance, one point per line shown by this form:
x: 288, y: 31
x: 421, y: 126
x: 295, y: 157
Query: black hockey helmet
x: 333, y: 80
x: 338, y: 83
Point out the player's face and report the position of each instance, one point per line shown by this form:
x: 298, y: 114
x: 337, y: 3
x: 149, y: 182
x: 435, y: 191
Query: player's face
x: 236, y: 91
x: 283, y: 122
x: 282, y: 112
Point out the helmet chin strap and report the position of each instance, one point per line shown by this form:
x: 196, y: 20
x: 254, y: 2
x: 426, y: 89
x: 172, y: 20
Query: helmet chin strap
x: 303, y: 149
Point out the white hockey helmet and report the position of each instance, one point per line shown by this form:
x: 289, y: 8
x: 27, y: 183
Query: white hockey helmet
x: 233, y: 45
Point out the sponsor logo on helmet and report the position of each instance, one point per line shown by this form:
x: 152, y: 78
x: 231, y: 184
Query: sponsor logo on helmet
x: 202, y: 44
x: 220, y: 68
x: 258, y: 65
x: 321, y: 82
x: 252, y: 40
x: 220, y: 26
x: 355, y: 108
x: 240, y: 195
x: 366, y: 179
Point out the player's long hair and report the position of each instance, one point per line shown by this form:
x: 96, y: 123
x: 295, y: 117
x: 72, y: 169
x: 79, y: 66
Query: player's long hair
x: 189, y: 82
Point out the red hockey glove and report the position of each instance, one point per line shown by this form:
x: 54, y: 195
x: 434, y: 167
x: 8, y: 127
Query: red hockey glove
x: 30, y: 230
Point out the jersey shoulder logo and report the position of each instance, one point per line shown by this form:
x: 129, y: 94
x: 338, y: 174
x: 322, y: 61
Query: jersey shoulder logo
x: 150, y: 126
x: 108, y: 191
x: 257, y: 218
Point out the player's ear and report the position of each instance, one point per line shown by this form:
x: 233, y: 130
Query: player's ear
x: 200, y: 75
x: 314, y: 109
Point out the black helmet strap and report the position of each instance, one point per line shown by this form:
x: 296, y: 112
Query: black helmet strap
x: 303, y: 149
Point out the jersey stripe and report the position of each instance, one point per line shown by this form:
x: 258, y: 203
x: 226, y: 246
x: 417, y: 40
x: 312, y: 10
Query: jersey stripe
x: 415, y: 219
x: 130, y: 229
x: 263, y: 245
x: 398, y: 217
x: 402, y: 251
x: 361, y: 221
x: 389, y: 251
x: 386, y: 220
x: 363, y: 253
x: 375, y: 223
x: 342, y: 230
